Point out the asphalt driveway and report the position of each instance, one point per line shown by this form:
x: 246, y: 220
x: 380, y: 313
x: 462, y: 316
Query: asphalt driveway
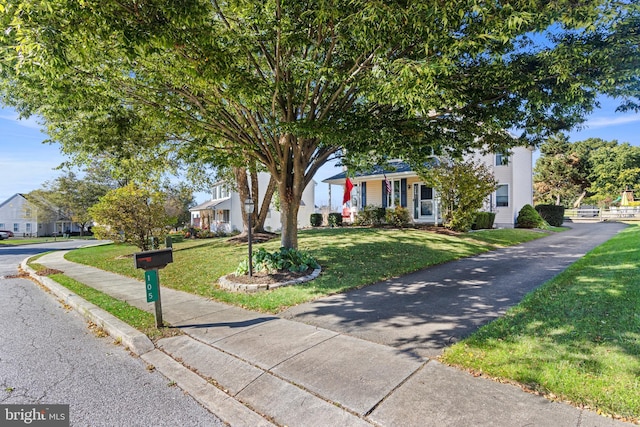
x: 428, y: 310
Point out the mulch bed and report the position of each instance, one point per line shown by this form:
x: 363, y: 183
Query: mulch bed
x: 255, y: 237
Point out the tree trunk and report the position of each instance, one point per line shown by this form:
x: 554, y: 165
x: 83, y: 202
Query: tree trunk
x: 249, y: 188
x: 289, y: 222
x: 290, y: 185
x: 264, y: 206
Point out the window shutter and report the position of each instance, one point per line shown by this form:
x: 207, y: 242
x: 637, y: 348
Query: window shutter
x: 363, y: 195
x: 384, y: 194
x: 403, y: 192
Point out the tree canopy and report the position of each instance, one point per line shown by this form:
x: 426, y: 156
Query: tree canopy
x: 600, y: 169
x: 287, y: 85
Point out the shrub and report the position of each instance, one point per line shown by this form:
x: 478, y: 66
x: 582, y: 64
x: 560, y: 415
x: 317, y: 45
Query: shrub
x: 484, y: 220
x: 335, y: 219
x: 371, y: 215
x: 316, y: 219
x: 461, y: 220
x: 398, y: 217
x: 285, y: 259
x: 176, y: 237
x: 529, y: 218
x: 553, y: 214
x: 206, y: 234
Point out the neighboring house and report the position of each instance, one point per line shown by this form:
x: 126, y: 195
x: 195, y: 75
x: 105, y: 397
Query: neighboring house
x: 25, y: 219
x: 21, y: 217
x: 513, y: 173
x: 224, y: 210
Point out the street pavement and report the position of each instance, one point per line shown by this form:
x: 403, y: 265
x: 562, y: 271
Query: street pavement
x: 49, y: 356
x: 356, y: 359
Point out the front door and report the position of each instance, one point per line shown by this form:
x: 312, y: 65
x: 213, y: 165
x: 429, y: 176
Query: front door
x: 423, y: 208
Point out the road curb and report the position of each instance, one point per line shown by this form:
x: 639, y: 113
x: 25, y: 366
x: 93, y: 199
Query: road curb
x: 130, y: 337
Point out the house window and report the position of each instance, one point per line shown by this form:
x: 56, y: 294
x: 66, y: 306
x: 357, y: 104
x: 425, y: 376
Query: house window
x: 1, y: 225
x: 396, y: 193
x: 502, y: 195
x: 16, y: 227
x: 225, y: 215
x: 28, y: 229
x: 27, y: 213
x: 395, y: 197
x: 220, y: 192
x: 502, y: 159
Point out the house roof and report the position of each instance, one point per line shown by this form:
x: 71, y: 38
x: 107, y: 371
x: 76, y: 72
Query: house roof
x: 213, y: 204
x: 393, y: 169
x: 11, y: 198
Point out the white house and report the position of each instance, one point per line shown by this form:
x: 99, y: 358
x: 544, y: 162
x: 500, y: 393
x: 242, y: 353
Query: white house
x: 514, y: 174
x: 21, y: 217
x: 224, y: 210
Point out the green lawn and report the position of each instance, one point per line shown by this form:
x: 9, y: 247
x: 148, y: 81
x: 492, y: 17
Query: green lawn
x: 350, y: 258
x: 576, y: 338
x: 13, y: 241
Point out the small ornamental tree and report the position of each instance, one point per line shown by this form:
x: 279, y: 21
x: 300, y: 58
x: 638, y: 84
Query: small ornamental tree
x: 131, y: 214
x: 463, y: 186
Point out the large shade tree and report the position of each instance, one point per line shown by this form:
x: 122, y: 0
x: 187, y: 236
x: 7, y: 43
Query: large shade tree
x: 286, y: 85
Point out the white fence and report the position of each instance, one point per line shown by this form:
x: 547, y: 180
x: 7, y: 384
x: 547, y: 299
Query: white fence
x: 611, y: 214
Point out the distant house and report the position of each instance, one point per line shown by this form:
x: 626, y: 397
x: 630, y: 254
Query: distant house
x: 514, y: 174
x: 224, y: 210
x: 25, y: 219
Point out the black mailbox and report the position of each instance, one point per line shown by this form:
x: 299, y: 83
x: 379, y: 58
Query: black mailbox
x: 153, y: 259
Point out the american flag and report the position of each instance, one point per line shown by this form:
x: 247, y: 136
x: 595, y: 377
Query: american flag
x: 388, y: 184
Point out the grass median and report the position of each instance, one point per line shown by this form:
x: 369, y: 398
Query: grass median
x: 576, y: 338
x: 350, y: 258
x: 141, y: 320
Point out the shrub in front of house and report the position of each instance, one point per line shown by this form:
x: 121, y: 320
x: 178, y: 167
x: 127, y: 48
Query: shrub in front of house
x: 316, y: 219
x: 364, y: 217
x: 398, y: 217
x: 483, y: 221
x: 335, y: 219
x: 553, y: 214
x: 461, y: 220
x: 528, y: 217
x: 370, y: 216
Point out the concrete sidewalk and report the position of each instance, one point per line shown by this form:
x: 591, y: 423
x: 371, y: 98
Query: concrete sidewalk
x: 252, y: 369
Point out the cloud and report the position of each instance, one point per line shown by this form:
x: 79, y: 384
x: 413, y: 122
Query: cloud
x: 31, y: 122
x: 600, y: 122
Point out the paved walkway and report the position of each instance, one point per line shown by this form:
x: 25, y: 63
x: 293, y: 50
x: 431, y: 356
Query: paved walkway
x: 270, y: 370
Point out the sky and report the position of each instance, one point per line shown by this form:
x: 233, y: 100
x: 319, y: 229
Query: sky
x: 26, y: 163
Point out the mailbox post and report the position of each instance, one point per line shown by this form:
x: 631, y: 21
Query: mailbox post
x: 151, y: 262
